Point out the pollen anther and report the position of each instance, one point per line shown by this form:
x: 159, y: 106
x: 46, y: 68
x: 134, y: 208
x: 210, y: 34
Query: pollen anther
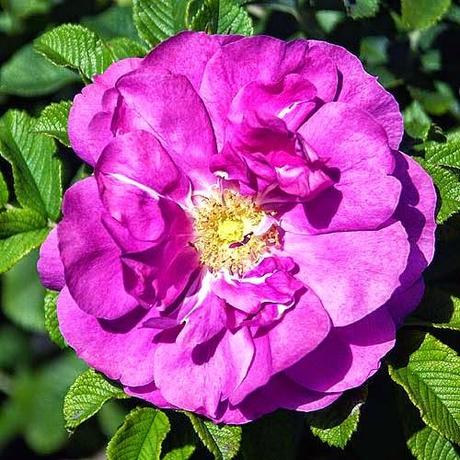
x: 225, y: 233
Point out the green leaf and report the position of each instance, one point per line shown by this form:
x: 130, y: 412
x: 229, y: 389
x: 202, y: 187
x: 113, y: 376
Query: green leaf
x: 25, y: 8
x: 440, y: 308
x: 15, y: 247
x: 358, y: 9
x: 53, y: 121
x: 416, y: 122
x: 432, y: 61
x: 222, y: 17
x: 51, y: 319
x: 442, y: 162
x: 22, y: 295
x: 157, y: 20
x: 86, y: 396
x: 180, y: 453
x: 76, y: 47
x: 428, y: 444
x: 10, y: 422
x: 4, y: 195
x: 13, y: 14
x: 454, y: 14
x: 182, y: 439
x: 20, y: 220
x: 140, y: 437
x: 448, y: 185
x: 444, y: 153
x: 36, y: 171
x: 114, y: 22
x: 420, y: 14
x: 233, y: 19
x: 336, y: 424
x: 431, y: 378
x: 423, y: 442
x: 123, y: 47
x: 160, y: 19
x: 223, y: 441
x: 29, y: 74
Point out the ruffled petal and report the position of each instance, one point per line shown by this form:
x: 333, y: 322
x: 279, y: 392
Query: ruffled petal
x: 206, y: 317
x: 280, y: 393
x: 358, y: 88
x: 173, y: 55
x: 151, y: 394
x: 142, y: 219
x: 354, y: 148
x: 49, y: 266
x: 159, y: 275
x: 299, y: 332
x: 92, y: 265
x: 263, y: 59
x: 349, y: 355
x: 122, y: 349
x: 177, y: 117
x: 138, y: 158
x: 405, y: 299
x: 91, y: 114
x: 416, y: 211
x: 134, y: 217
x: 276, y: 99
x: 356, y: 263
x: 198, y: 379
x: 270, y: 283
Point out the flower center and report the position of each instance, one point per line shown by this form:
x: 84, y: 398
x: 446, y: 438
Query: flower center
x: 230, y: 233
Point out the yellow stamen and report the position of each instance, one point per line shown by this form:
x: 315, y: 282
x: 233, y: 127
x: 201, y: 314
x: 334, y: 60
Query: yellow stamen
x: 224, y: 228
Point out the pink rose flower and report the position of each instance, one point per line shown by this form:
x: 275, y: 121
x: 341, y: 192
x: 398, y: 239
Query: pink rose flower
x: 251, y: 236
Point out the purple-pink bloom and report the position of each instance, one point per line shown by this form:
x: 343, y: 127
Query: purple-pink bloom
x: 251, y: 236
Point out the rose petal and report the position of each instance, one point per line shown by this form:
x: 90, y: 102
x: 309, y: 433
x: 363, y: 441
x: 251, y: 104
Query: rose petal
x: 199, y: 378
x: 358, y: 88
x: 91, y: 259
x: 357, y: 150
x: 173, y: 54
x: 263, y: 59
x: 184, y: 128
x: 151, y: 394
x: 121, y: 349
x: 248, y: 294
x: 299, y: 332
x: 49, y: 264
x: 362, y: 280
x: 349, y: 355
x: 280, y: 393
x: 416, y: 211
x: 89, y: 121
x: 206, y: 317
x: 140, y: 159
